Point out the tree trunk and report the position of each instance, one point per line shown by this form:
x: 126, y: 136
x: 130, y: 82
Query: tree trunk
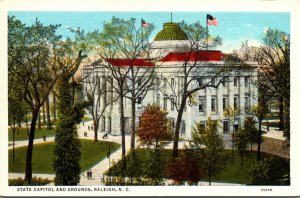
x: 133, y: 112
x: 54, y: 107
x: 122, y: 123
x: 242, y: 160
x: 39, y: 121
x: 281, y: 114
x: 209, y: 175
x: 44, y: 114
x: 27, y: 126
x: 96, y: 129
x: 73, y: 90
x: 177, y: 128
x: 259, y: 138
x: 13, y: 130
x: 28, y: 167
x: 49, y: 125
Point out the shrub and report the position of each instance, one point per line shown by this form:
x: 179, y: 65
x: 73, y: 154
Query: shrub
x: 184, y: 168
x: 270, y: 171
x: 36, y: 181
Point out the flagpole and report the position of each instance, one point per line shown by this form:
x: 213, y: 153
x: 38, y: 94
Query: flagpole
x: 206, y: 33
x: 142, y: 33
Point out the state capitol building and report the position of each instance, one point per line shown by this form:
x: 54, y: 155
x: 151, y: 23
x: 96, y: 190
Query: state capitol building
x: 233, y: 89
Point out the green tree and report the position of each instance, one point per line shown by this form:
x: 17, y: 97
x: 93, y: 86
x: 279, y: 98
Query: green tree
x: 251, y: 130
x: 67, y: 145
x: 260, y: 111
x: 154, y: 131
x: 241, y: 140
x: 232, y: 114
x: 274, y: 57
x: 29, y: 51
x: 17, y: 109
x: 184, y: 168
x: 133, y: 169
x: 269, y: 171
x: 210, y: 147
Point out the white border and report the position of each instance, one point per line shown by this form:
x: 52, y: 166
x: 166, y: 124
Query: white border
x: 292, y: 6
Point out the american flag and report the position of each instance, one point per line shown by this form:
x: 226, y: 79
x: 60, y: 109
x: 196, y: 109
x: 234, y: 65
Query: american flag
x: 211, y: 20
x: 144, y: 24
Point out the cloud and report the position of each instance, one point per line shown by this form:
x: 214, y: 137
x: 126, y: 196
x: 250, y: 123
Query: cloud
x: 254, y: 43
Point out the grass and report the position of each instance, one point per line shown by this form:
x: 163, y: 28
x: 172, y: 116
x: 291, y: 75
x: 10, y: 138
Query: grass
x: 91, y: 153
x: 232, y: 173
x: 22, y: 135
x: 86, y: 119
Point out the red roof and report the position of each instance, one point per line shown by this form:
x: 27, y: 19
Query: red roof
x: 193, y: 56
x: 130, y: 62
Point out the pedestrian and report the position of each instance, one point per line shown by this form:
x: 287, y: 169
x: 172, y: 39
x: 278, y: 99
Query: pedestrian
x: 91, y: 173
x: 44, y: 138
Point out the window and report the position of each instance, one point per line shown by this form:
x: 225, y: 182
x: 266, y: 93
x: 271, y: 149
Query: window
x: 201, y: 104
x: 247, y: 78
x: 98, y: 85
x: 103, y: 124
x: 165, y: 102
x: 213, y: 82
x: 109, y: 124
x: 236, y: 102
x: 236, y: 81
x: 172, y: 103
x: 139, y: 82
x: 104, y: 85
x: 213, y: 104
x: 202, y: 124
x: 224, y: 81
x: 165, y: 82
x: 247, y: 102
x: 200, y: 82
x: 158, y: 99
x: 225, y: 127
x: 224, y: 103
x: 182, y: 127
x: 172, y: 120
x: 139, y: 100
x: 157, y: 83
x: 172, y: 82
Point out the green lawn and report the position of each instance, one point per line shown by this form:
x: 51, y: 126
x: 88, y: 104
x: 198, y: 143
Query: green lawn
x: 91, y: 153
x: 22, y: 135
x: 232, y: 173
x: 86, y: 119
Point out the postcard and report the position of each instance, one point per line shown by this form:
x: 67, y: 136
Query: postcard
x: 145, y: 98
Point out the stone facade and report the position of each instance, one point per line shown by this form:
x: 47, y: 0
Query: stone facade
x: 236, y: 90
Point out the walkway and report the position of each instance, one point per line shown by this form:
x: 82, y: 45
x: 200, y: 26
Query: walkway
x: 99, y: 169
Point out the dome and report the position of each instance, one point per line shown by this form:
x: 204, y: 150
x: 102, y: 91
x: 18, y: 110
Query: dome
x: 171, y: 31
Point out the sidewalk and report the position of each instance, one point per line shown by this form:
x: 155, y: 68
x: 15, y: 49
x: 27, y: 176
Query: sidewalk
x: 99, y: 169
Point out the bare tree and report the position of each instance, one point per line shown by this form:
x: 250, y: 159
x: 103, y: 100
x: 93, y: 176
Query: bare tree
x: 191, y: 74
x: 125, y: 52
x: 96, y: 92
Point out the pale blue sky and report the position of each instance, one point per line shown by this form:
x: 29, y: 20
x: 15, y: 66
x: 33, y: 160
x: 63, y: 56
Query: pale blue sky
x: 234, y: 27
